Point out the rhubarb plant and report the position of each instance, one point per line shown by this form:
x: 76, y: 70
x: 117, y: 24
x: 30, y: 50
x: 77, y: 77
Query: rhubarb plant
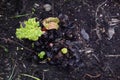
x: 30, y: 30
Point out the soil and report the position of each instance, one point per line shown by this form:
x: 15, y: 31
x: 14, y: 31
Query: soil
x: 89, y: 29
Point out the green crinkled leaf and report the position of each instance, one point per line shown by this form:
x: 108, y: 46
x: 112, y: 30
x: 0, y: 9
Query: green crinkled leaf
x: 41, y: 54
x: 31, y: 31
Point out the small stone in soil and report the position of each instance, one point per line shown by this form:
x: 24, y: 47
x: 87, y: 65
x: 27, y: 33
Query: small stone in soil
x: 47, y: 7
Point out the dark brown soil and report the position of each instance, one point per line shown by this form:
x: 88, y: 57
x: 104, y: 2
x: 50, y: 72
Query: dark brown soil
x: 86, y: 28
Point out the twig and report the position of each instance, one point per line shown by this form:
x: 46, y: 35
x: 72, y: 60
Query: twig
x: 92, y: 76
x: 99, y: 6
x: 96, y: 57
x: 22, y: 15
x: 11, y: 41
x: 31, y: 76
x: 108, y: 68
x: 96, y: 20
x: 10, y: 78
x: 85, y: 3
x: 112, y: 55
x: 43, y: 78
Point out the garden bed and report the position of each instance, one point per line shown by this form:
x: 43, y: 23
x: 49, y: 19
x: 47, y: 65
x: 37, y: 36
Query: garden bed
x: 89, y: 29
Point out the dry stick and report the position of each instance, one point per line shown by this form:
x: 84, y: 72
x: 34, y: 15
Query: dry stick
x: 96, y: 18
x: 85, y: 2
x: 99, y: 6
x: 9, y: 40
x: 109, y: 68
x: 112, y: 55
x: 91, y: 76
x: 31, y: 76
x: 43, y: 78
x: 10, y: 78
x: 96, y: 57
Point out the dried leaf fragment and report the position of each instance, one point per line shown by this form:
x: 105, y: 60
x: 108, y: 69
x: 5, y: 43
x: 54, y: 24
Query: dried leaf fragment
x: 51, y: 23
x: 111, y: 32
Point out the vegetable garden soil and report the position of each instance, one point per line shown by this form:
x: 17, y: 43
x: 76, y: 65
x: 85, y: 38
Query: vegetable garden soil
x: 89, y: 29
